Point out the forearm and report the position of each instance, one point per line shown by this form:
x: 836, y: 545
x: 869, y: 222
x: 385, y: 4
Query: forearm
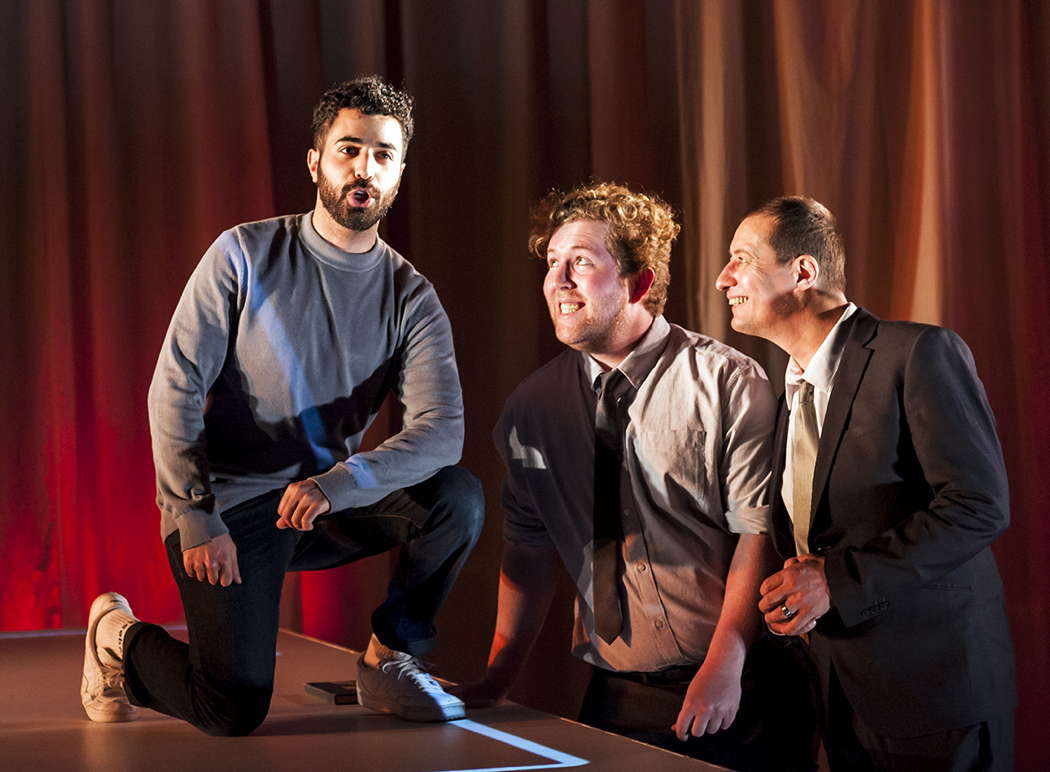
x: 431, y: 436
x: 407, y: 458
x: 739, y: 622
x: 526, y: 587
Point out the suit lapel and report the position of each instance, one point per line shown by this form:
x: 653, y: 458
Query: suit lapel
x: 782, y: 533
x: 855, y: 358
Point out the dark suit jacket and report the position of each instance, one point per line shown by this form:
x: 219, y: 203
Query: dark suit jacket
x: 910, y: 491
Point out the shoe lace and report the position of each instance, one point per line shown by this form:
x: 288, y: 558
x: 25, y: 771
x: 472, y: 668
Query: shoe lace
x: 110, y: 677
x: 412, y: 668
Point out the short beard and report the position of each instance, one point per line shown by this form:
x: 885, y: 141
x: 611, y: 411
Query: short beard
x: 337, y: 203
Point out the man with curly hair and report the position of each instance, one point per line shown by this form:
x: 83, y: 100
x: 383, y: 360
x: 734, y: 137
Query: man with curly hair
x: 639, y: 457
x: 287, y: 339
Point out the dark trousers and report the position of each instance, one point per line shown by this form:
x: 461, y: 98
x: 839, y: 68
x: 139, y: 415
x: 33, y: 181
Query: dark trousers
x: 851, y: 746
x: 222, y: 681
x: 774, y: 729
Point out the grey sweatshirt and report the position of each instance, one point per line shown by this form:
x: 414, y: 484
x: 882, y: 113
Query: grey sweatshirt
x: 278, y: 357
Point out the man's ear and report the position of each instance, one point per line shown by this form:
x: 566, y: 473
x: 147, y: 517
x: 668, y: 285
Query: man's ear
x: 807, y: 272
x: 312, y: 159
x: 641, y: 284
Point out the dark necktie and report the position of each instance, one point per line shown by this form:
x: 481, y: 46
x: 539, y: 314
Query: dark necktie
x: 803, y: 460
x: 608, y: 454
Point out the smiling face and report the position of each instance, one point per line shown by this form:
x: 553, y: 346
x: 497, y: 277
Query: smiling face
x: 759, y: 288
x: 358, y: 168
x: 589, y: 302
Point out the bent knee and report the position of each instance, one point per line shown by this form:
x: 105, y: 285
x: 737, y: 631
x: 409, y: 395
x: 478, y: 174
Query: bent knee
x: 468, y: 500
x: 240, y: 715
x: 462, y: 490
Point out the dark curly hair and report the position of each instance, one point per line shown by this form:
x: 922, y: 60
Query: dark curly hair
x: 641, y: 230
x: 372, y: 96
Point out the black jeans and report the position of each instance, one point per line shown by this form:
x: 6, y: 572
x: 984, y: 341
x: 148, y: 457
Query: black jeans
x: 774, y: 729
x: 222, y: 681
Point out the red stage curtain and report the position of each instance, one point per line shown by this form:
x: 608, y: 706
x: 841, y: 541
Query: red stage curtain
x: 133, y: 133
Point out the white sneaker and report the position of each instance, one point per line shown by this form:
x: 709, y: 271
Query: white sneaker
x: 399, y: 685
x: 102, y: 689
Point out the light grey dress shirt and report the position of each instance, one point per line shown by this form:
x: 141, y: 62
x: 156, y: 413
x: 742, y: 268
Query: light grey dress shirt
x: 696, y: 459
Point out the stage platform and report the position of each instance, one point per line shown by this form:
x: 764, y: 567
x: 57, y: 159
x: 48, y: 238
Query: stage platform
x: 43, y: 728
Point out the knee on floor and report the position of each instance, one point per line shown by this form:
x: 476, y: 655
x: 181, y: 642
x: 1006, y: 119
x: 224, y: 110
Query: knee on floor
x: 241, y: 713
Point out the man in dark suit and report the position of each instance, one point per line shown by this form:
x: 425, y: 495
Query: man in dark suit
x: 888, y: 490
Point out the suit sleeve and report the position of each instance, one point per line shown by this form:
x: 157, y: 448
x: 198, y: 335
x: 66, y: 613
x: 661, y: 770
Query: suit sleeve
x: 952, y: 431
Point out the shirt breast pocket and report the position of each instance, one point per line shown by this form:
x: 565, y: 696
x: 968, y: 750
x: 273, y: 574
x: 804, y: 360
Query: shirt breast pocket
x: 674, y: 458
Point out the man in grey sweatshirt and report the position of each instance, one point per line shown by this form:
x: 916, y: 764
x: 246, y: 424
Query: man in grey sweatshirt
x: 288, y: 337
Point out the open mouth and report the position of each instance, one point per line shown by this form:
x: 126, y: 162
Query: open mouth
x: 569, y: 308
x: 738, y: 300
x: 360, y: 197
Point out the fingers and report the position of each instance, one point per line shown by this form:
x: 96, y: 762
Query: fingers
x: 301, y: 503
x: 707, y: 722
x: 802, y: 621
x: 214, y: 562
x: 683, y: 725
x: 771, y: 583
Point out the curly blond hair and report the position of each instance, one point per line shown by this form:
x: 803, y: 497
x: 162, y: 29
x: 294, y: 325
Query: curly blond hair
x: 641, y: 230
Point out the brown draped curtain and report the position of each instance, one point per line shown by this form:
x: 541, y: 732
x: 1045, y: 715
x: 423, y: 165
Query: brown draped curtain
x: 133, y: 133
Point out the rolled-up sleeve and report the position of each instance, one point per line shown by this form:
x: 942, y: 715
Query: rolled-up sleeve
x: 521, y: 523
x: 748, y: 413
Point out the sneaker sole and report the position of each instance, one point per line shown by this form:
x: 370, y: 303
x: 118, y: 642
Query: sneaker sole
x: 409, y: 713
x: 122, y: 715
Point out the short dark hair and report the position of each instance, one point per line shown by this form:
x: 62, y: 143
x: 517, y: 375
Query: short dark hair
x: 804, y: 226
x: 372, y: 96
x: 641, y: 230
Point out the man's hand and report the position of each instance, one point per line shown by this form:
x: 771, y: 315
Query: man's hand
x: 301, y: 503
x: 710, y: 704
x: 214, y: 562
x: 802, y: 588
x: 480, y: 694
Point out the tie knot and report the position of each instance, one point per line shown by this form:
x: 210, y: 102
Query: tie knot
x: 805, y: 392
x: 610, y: 383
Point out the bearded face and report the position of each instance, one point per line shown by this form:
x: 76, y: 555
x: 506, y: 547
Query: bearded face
x: 358, y: 205
x: 358, y: 168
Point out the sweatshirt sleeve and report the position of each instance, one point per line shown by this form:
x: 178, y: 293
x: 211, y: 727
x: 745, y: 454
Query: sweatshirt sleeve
x: 190, y: 360
x: 428, y: 388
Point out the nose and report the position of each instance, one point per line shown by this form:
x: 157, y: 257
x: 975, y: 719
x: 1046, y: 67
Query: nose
x: 725, y: 279
x: 364, y: 166
x: 557, y: 278
x: 563, y: 276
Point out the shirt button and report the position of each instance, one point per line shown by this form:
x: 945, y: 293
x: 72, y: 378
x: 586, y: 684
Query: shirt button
x: 628, y: 512
x: 659, y: 624
x: 642, y: 567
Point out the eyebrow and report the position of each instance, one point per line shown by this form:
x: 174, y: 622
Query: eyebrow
x: 580, y: 245
x: 359, y: 141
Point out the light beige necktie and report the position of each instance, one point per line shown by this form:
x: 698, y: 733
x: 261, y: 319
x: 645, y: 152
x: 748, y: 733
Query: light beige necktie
x: 803, y: 459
